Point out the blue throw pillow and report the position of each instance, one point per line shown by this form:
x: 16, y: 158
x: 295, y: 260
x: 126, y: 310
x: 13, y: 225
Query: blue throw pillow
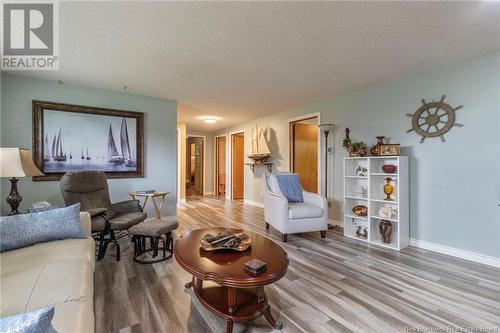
x: 290, y: 187
x: 22, y: 230
x: 38, y: 321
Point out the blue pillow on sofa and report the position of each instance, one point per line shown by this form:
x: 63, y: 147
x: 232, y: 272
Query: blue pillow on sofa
x: 38, y: 321
x: 22, y: 230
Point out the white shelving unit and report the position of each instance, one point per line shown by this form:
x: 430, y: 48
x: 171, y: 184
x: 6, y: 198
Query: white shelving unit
x: 373, y: 199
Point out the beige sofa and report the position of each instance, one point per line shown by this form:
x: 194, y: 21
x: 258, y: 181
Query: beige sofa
x: 59, y: 273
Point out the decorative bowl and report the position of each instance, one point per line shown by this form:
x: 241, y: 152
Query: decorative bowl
x: 225, y: 241
x: 389, y: 168
x: 360, y: 210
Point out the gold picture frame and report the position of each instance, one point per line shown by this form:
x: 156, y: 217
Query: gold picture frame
x: 389, y: 150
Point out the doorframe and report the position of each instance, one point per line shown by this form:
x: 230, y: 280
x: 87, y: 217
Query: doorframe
x: 230, y: 135
x: 216, y: 176
x: 316, y: 115
x: 179, y: 164
x: 204, y: 140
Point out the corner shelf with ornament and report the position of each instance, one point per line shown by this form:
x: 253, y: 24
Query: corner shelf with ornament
x: 376, y: 200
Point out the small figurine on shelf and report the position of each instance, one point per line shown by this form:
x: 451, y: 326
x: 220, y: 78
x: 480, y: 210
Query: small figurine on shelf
x: 388, y: 189
x: 361, y: 171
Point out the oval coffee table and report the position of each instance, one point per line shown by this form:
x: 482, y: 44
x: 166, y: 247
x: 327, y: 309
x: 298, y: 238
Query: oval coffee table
x: 239, y: 295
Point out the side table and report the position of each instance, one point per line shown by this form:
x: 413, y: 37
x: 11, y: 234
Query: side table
x: 153, y: 196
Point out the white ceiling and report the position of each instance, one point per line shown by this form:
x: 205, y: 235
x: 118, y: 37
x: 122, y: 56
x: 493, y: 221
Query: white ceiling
x: 241, y: 60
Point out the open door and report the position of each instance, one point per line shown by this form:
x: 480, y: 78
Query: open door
x: 237, y: 165
x: 304, y: 151
x: 220, y: 159
x: 194, y: 166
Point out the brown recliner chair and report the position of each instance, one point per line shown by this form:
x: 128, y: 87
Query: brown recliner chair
x: 90, y: 189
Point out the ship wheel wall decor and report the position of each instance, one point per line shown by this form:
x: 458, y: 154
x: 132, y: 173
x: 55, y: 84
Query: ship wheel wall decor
x: 433, y: 119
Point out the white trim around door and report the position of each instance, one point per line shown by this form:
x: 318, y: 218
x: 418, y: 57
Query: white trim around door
x: 216, y: 180
x: 229, y: 170
x: 204, y: 139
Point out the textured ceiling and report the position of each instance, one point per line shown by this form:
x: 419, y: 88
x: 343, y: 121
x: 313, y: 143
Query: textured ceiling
x: 241, y: 60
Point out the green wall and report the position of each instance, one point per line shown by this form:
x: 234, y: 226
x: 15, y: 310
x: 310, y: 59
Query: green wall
x: 160, y: 137
x: 454, y: 186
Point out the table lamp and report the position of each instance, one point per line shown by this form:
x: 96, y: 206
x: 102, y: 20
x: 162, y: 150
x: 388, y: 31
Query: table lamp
x: 15, y: 163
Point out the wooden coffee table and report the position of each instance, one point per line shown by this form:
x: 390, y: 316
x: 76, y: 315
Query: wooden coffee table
x: 239, y: 295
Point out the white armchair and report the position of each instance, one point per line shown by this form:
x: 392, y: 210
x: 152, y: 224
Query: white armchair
x: 291, y: 218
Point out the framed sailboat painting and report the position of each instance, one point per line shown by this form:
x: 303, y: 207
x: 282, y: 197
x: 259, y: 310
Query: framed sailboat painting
x: 72, y: 137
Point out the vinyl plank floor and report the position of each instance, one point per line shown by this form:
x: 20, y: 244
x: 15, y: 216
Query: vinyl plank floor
x: 333, y: 285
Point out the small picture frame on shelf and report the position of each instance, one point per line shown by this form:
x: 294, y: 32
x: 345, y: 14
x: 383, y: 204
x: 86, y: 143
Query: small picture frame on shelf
x: 389, y: 150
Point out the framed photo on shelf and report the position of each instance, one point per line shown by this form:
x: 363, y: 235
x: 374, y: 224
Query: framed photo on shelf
x: 72, y: 137
x: 389, y: 150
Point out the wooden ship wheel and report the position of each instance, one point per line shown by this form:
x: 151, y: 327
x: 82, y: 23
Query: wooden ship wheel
x: 433, y: 119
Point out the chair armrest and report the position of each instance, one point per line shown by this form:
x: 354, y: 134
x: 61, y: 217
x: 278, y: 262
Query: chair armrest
x: 97, y: 211
x: 85, y: 223
x: 275, y: 209
x: 128, y: 206
x: 314, y: 199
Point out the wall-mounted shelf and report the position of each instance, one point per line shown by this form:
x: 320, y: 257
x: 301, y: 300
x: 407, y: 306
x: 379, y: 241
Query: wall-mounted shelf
x: 268, y: 165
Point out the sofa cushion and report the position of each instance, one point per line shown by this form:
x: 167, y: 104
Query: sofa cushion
x: 53, y: 283
x: 36, y: 321
x: 23, y: 230
x: 20, y: 259
x: 125, y: 221
x: 302, y: 211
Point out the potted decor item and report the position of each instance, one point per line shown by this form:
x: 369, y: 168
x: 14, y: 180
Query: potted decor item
x: 385, y: 230
x: 374, y: 150
x: 388, y: 189
x: 357, y: 148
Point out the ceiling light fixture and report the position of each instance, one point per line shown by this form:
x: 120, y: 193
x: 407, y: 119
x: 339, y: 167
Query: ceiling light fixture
x: 210, y: 120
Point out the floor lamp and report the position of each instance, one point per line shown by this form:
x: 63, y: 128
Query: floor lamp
x: 326, y: 129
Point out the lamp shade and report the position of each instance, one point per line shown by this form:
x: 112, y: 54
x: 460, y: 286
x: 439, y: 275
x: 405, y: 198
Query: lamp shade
x: 17, y: 162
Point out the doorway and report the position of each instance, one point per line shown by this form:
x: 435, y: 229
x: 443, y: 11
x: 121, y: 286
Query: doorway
x: 220, y: 166
x: 237, y: 165
x: 304, y: 142
x: 194, y: 165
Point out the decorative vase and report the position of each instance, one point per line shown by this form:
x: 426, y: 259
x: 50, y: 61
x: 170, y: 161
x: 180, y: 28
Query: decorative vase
x: 374, y: 150
x: 389, y: 168
x: 388, y: 189
x: 385, y: 230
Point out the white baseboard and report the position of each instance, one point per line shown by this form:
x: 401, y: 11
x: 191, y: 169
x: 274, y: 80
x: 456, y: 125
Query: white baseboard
x: 253, y: 203
x: 209, y: 193
x: 459, y: 253
x: 336, y: 223
x: 181, y: 200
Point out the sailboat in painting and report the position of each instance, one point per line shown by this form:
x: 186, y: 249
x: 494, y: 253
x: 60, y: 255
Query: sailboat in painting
x: 46, y: 149
x: 126, y: 156
x: 125, y: 145
x: 259, y: 151
x: 58, y: 154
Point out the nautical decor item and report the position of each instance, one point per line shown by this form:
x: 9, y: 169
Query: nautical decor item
x: 361, y: 232
x: 389, y: 168
x: 102, y: 139
x: 385, y: 230
x: 225, y: 241
x: 259, y: 151
x: 433, y: 119
x: 386, y: 212
x: 360, y: 210
x: 388, y: 189
x: 374, y: 150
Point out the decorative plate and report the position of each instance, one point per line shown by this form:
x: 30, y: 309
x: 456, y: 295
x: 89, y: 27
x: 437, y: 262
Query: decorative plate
x: 225, y: 241
x: 360, y: 210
